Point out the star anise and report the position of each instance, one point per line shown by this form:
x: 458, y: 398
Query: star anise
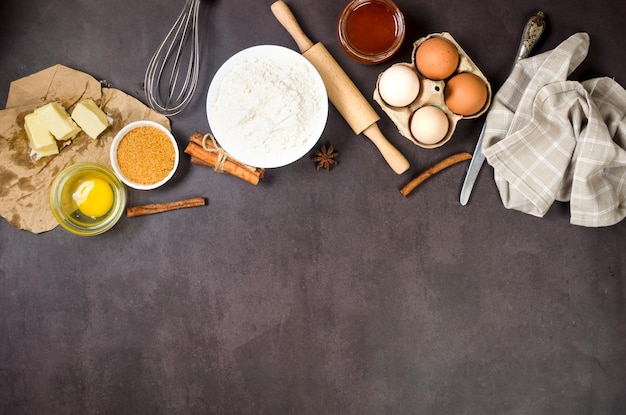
x: 325, y: 157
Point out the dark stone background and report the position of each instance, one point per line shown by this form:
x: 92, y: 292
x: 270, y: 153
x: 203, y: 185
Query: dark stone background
x: 314, y: 292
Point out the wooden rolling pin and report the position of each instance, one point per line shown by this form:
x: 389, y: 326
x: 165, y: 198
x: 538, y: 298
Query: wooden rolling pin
x: 342, y: 92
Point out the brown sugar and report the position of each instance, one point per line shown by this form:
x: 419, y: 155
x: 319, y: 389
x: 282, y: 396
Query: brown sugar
x: 146, y: 155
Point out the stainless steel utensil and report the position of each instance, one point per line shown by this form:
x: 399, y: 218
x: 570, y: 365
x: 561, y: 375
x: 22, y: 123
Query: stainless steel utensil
x: 172, y: 74
x: 533, y: 30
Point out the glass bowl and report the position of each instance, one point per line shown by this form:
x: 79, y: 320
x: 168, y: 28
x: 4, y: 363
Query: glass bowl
x: 371, y: 31
x: 87, y: 199
x: 146, y: 161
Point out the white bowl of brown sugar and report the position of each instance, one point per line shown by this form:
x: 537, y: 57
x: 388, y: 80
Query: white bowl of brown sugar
x: 144, y: 155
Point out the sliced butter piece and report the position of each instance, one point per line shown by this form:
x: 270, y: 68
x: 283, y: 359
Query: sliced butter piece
x: 90, y: 118
x: 41, y: 142
x: 58, y: 121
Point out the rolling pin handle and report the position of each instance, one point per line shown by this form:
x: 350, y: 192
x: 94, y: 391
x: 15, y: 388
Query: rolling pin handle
x: 394, y: 158
x: 286, y: 18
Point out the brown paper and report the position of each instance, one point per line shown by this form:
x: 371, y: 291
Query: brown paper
x: 24, y: 183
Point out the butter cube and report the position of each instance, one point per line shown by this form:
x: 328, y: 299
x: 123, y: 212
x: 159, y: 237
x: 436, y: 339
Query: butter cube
x: 58, y: 121
x: 90, y: 118
x: 41, y: 142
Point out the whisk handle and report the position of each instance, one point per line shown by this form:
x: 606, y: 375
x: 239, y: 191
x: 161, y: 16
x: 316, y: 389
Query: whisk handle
x: 285, y: 17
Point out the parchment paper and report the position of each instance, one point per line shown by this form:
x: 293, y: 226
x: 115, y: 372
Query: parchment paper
x: 24, y: 183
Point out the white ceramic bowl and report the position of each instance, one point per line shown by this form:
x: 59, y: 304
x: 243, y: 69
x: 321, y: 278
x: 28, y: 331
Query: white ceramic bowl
x: 267, y: 106
x: 116, y: 166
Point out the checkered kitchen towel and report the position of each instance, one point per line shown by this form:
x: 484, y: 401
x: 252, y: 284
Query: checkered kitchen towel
x: 550, y: 139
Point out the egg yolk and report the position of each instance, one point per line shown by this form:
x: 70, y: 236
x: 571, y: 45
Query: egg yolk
x: 94, y: 197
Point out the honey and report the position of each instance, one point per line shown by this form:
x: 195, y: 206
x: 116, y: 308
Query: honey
x: 371, y: 31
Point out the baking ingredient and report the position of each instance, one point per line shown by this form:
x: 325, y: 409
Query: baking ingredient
x: 41, y: 142
x: 431, y: 171
x: 437, y: 58
x: 57, y: 121
x: 429, y: 124
x: 205, y: 151
x: 399, y: 85
x: 325, y: 157
x: 146, y: 155
x: 93, y: 197
x: 371, y: 27
x: 150, y: 209
x: 465, y: 94
x: 266, y: 107
x: 90, y: 118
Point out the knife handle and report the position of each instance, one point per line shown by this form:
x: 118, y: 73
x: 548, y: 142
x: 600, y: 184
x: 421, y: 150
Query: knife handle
x: 285, y: 17
x: 533, y: 30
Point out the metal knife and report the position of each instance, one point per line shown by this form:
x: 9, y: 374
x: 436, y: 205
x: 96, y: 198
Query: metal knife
x: 533, y: 30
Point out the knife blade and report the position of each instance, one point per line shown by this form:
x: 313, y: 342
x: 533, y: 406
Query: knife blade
x: 534, y: 28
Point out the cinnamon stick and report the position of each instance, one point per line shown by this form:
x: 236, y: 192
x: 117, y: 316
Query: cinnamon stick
x: 436, y: 168
x: 208, y: 158
x: 150, y: 209
x: 197, y: 161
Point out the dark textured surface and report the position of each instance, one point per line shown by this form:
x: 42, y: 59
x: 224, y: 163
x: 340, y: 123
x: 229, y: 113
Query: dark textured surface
x: 314, y: 292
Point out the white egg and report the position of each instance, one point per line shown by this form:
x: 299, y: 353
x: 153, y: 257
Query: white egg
x: 399, y: 85
x: 429, y: 125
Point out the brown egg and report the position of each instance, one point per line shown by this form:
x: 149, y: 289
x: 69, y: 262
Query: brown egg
x: 437, y: 58
x: 465, y: 94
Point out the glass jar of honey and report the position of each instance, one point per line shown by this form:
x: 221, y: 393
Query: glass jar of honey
x: 371, y: 31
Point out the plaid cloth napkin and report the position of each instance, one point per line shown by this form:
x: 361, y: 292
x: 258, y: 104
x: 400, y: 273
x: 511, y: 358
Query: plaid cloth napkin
x: 550, y: 139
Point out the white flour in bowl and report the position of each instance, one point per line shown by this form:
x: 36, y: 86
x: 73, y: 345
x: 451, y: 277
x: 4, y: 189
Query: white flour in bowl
x: 267, y: 105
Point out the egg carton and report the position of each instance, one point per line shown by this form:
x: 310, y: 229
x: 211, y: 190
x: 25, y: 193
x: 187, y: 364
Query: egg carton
x: 432, y: 93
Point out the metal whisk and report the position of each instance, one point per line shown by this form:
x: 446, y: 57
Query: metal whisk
x: 172, y: 74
